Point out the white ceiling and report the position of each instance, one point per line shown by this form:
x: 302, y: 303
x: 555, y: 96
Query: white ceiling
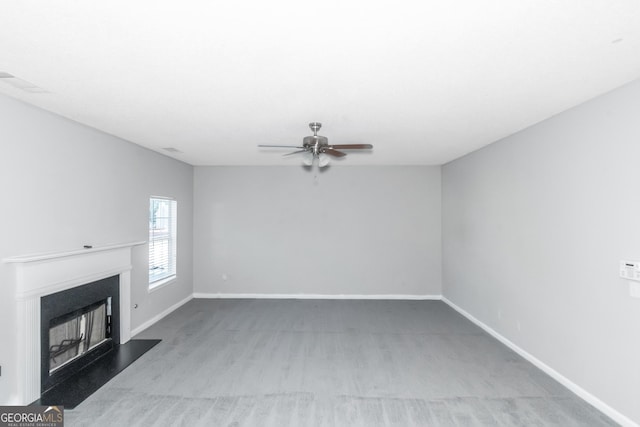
x: 423, y: 81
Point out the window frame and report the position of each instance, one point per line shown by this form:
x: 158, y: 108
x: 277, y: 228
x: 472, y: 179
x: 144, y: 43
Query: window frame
x: 155, y: 282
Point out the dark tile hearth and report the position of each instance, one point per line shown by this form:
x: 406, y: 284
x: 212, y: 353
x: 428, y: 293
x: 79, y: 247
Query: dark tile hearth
x: 71, y: 392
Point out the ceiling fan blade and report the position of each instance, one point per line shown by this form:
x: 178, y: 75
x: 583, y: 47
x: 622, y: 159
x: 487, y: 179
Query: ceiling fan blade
x: 334, y: 153
x: 351, y: 146
x: 294, y: 152
x: 280, y: 146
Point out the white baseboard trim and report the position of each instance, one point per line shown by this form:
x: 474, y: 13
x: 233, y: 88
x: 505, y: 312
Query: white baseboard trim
x: 158, y: 317
x: 582, y: 393
x: 315, y: 296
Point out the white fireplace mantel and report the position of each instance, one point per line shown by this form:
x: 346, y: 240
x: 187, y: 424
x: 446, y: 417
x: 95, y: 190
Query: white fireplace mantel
x: 44, y: 274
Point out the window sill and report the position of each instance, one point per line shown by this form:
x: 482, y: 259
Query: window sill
x: 161, y: 283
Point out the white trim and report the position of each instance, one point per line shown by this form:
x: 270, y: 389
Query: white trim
x: 315, y: 296
x: 61, y: 286
x: 53, y: 255
x: 582, y: 393
x: 159, y: 284
x: 160, y: 316
x: 162, y: 197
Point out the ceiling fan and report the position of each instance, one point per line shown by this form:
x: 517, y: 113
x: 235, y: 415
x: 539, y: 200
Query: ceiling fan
x: 317, y: 146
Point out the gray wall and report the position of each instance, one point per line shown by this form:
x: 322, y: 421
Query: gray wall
x: 286, y: 230
x: 65, y: 185
x: 533, y: 229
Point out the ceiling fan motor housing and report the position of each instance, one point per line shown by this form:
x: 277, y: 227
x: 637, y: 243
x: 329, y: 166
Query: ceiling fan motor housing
x: 315, y: 143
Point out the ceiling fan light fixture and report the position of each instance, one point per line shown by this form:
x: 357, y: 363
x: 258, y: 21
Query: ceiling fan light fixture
x: 307, y: 158
x: 323, y: 160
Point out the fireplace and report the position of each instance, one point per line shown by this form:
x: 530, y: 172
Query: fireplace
x: 42, y: 275
x: 77, y: 326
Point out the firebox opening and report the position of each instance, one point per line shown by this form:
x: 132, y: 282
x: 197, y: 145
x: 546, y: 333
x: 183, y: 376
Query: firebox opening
x: 74, y: 334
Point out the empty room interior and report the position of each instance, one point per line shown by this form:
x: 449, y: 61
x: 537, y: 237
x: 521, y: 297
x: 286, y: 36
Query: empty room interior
x: 338, y: 213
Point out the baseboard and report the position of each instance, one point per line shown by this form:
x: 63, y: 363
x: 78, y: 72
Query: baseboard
x: 156, y: 318
x: 315, y: 296
x: 582, y: 393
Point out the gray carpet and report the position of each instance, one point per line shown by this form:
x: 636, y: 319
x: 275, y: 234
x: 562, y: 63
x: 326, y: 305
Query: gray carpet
x: 329, y: 363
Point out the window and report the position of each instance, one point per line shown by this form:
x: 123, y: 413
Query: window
x: 162, y: 240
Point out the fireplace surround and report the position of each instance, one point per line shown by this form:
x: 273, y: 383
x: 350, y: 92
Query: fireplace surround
x: 37, y: 276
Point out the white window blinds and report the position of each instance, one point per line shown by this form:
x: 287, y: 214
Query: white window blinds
x: 162, y: 239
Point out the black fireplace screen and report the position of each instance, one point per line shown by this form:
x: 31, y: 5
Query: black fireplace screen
x: 74, y: 334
